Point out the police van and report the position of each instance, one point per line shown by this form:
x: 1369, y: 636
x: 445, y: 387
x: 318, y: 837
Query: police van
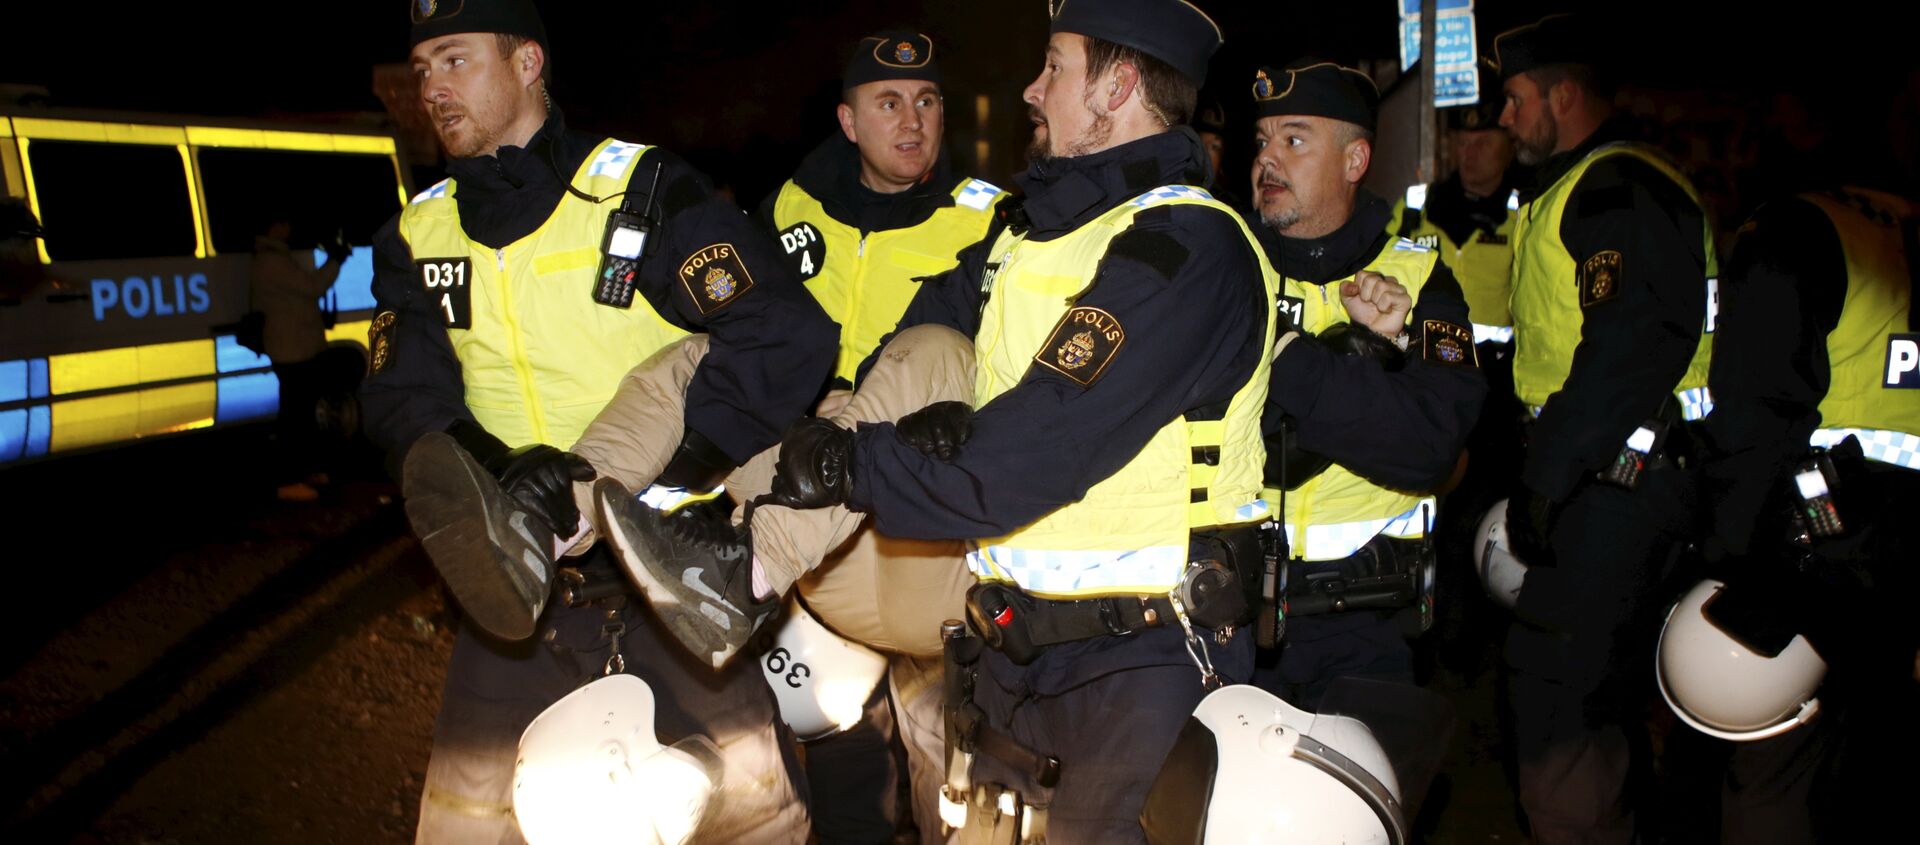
x: 148, y: 223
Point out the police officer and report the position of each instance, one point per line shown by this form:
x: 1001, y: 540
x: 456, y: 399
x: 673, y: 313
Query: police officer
x: 1816, y: 349
x: 505, y: 323
x: 1122, y: 329
x: 1350, y: 523
x: 870, y: 210
x: 1468, y: 216
x: 1613, y: 273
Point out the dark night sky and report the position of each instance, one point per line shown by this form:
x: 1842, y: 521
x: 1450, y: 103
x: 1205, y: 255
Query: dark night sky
x: 746, y: 88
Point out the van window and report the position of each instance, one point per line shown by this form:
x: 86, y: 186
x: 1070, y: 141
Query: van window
x: 317, y: 192
x: 112, y: 200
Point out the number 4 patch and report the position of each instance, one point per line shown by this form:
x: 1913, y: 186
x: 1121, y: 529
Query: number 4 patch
x: 446, y: 282
x: 805, y: 248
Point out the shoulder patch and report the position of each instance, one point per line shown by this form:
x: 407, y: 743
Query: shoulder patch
x: 380, y: 341
x: 1082, y: 345
x: 438, y: 190
x: 714, y: 277
x: 976, y: 195
x: 1446, y: 343
x: 1600, y: 277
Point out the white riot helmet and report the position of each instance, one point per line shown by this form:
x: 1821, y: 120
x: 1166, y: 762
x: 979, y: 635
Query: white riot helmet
x: 820, y: 679
x: 591, y: 770
x: 1501, y: 573
x: 1249, y: 767
x: 1729, y: 686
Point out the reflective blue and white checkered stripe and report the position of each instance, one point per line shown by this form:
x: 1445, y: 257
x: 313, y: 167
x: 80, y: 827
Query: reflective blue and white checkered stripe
x: 1416, y: 197
x: 977, y: 195
x: 1057, y: 571
x: 438, y: 190
x: 1249, y: 512
x: 1483, y: 333
x: 1170, y: 192
x: 1695, y: 404
x: 1405, y: 245
x: 1891, y: 447
x: 663, y: 498
x: 612, y: 162
x: 1333, y: 542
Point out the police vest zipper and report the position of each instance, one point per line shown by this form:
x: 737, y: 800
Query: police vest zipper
x: 521, y: 366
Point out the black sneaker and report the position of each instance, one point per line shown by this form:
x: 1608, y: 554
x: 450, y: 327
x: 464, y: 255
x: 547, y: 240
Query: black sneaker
x: 494, y: 555
x: 696, y: 570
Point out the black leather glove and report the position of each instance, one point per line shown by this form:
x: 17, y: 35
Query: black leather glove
x: 541, y: 479
x: 811, y: 471
x: 938, y: 430
x: 1361, y: 342
x: 697, y: 465
x: 1530, y: 519
x: 537, y: 476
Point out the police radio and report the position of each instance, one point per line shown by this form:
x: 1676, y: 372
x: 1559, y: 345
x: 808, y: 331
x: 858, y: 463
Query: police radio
x: 1815, y: 481
x: 1642, y: 449
x: 623, y: 247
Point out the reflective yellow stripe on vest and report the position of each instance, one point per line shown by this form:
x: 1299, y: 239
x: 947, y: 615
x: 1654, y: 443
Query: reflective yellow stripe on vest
x: 541, y: 357
x: 865, y: 283
x: 1129, y: 534
x: 1337, y: 511
x: 1874, y: 391
x: 1546, y: 299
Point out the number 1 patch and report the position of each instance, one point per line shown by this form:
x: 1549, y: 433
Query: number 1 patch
x: 1082, y: 345
x: 448, y: 285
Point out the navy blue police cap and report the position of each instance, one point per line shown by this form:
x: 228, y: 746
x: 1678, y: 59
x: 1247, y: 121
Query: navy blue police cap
x: 1552, y: 40
x: 1317, y: 89
x: 1173, y: 31
x: 434, y: 18
x: 892, y: 54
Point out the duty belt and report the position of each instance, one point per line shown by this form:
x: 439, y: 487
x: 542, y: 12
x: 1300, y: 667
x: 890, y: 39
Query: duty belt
x: 1216, y: 591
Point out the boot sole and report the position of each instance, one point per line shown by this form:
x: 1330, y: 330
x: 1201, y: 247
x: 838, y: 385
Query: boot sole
x: 453, y: 505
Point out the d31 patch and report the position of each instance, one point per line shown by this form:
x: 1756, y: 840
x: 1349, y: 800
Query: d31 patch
x: 1293, y: 309
x: 380, y: 340
x: 1082, y: 345
x: 805, y: 249
x: 1446, y: 343
x: 715, y: 277
x: 1600, y: 277
x: 447, y: 285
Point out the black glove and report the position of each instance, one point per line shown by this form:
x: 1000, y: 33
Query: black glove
x: 537, y: 476
x: 697, y: 465
x: 938, y: 430
x: 1361, y: 342
x: 811, y: 471
x: 541, y: 478
x: 1530, y: 519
